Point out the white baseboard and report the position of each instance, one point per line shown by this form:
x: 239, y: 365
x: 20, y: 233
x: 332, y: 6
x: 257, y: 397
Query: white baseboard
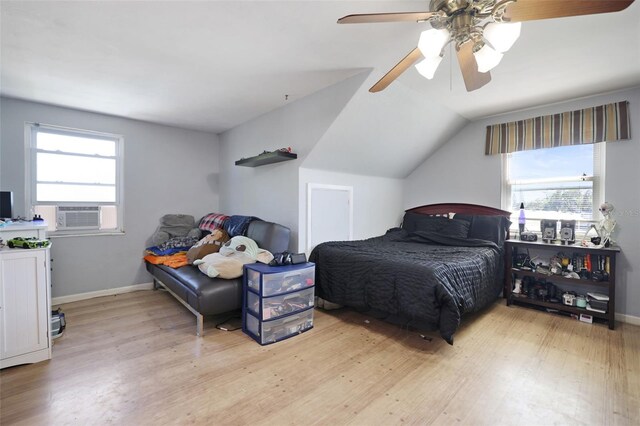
x: 629, y: 319
x: 109, y: 292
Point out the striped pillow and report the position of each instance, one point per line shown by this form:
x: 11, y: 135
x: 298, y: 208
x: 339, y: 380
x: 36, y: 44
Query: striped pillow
x: 212, y: 221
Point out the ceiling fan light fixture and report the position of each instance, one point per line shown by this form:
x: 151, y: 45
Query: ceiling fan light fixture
x: 432, y: 41
x: 428, y: 66
x: 502, y: 35
x: 482, y: 30
x: 487, y: 58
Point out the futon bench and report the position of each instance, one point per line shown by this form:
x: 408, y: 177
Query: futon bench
x: 203, y: 295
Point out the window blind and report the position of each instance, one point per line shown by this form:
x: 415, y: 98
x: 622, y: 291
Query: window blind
x: 603, y: 123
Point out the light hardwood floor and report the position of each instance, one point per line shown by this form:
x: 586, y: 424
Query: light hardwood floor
x: 134, y: 359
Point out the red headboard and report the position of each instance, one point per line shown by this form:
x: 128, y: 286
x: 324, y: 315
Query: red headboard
x: 443, y: 209
x: 462, y: 208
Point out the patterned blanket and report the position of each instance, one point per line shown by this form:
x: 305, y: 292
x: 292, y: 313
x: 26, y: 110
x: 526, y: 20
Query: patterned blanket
x: 427, y: 281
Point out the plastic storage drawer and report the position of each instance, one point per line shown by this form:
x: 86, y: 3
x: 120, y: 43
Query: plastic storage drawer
x: 277, y: 306
x: 265, y: 332
x: 287, y: 279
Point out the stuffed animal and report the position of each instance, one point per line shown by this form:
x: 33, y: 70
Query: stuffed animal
x: 208, y: 245
x: 233, y: 255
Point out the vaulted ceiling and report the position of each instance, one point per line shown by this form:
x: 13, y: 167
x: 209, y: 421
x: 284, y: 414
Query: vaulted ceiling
x: 212, y: 65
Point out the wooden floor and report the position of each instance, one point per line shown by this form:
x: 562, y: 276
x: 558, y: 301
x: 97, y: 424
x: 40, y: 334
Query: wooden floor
x: 133, y: 359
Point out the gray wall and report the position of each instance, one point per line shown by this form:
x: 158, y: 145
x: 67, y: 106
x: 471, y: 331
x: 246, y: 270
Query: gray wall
x: 170, y: 170
x: 372, y: 145
x: 166, y: 170
x: 343, y: 135
x: 271, y: 192
x: 460, y: 172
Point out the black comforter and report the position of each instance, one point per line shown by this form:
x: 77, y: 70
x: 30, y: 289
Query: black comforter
x: 424, y: 280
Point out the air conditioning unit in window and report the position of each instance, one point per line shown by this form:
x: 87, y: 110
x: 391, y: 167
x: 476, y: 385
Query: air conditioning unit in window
x: 77, y: 217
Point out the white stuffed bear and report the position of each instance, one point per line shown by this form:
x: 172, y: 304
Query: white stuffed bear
x: 235, y: 253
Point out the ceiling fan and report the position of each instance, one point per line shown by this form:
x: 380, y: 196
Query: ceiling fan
x: 480, y: 30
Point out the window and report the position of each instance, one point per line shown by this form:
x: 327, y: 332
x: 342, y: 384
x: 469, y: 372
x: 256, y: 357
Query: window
x: 556, y: 183
x: 74, y: 179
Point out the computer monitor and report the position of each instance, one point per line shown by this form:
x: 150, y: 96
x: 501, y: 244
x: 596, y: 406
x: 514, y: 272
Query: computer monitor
x: 6, y: 204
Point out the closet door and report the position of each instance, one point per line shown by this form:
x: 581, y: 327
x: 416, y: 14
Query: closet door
x: 329, y: 214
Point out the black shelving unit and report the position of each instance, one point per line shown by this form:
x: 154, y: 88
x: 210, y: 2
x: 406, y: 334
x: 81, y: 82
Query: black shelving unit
x: 511, y: 272
x: 266, y: 158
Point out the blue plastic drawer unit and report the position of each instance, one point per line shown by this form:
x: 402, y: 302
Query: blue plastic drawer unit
x: 273, y: 307
x: 268, y: 280
x: 278, y: 301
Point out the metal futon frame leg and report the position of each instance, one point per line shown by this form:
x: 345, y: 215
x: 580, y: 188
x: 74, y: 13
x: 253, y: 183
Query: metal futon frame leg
x: 199, y: 316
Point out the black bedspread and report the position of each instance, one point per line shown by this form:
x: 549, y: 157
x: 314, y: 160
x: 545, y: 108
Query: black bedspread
x: 424, y: 280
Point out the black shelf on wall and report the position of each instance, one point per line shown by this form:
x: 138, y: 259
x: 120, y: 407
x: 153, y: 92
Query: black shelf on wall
x: 266, y: 158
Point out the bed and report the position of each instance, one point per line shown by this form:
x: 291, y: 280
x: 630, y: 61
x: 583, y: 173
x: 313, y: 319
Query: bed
x: 446, y: 260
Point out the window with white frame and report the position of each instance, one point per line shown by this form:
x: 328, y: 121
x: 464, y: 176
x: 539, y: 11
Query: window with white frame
x: 563, y: 183
x: 74, y: 179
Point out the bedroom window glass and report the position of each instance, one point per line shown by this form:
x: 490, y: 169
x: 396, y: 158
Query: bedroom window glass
x: 555, y: 183
x: 74, y: 179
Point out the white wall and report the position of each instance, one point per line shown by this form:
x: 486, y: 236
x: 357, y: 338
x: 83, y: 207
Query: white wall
x: 388, y: 133
x: 377, y: 202
x: 460, y: 172
x: 166, y: 170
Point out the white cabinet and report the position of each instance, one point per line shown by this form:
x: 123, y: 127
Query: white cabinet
x: 25, y: 304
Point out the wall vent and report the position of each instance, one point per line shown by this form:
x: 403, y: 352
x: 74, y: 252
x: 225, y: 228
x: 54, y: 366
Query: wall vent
x: 77, y: 217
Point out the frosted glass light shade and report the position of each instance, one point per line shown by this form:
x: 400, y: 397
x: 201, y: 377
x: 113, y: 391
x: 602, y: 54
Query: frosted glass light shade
x: 428, y: 66
x: 502, y: 35
x: 432, y: 41
x: 487, y: 58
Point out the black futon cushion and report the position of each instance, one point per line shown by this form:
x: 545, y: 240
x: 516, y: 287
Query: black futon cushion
x: 209, y: 296
x: 213, y: 296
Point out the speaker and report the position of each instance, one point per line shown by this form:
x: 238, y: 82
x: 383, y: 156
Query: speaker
x: 528, y: 236
x: 568, y: 231
x: 548, y: 229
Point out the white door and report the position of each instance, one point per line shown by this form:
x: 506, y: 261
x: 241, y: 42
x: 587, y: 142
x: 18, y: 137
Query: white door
x: 23, y: 302
x: 329, y: 214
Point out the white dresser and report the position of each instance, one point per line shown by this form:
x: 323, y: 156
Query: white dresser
x: 25, y: 298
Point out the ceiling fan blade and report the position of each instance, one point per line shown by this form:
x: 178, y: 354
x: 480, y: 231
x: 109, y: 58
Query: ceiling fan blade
x: 473, y: 79
x: 395, y: 72
x: 529, y: 10
x: 385, y: 17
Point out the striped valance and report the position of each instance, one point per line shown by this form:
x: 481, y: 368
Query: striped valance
x: 591, y: 125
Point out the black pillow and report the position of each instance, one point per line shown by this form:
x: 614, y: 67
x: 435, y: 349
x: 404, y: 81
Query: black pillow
x: 482, y: 227
x: 456, y: 228
x: 413, y: 222
x: 465, y: 217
